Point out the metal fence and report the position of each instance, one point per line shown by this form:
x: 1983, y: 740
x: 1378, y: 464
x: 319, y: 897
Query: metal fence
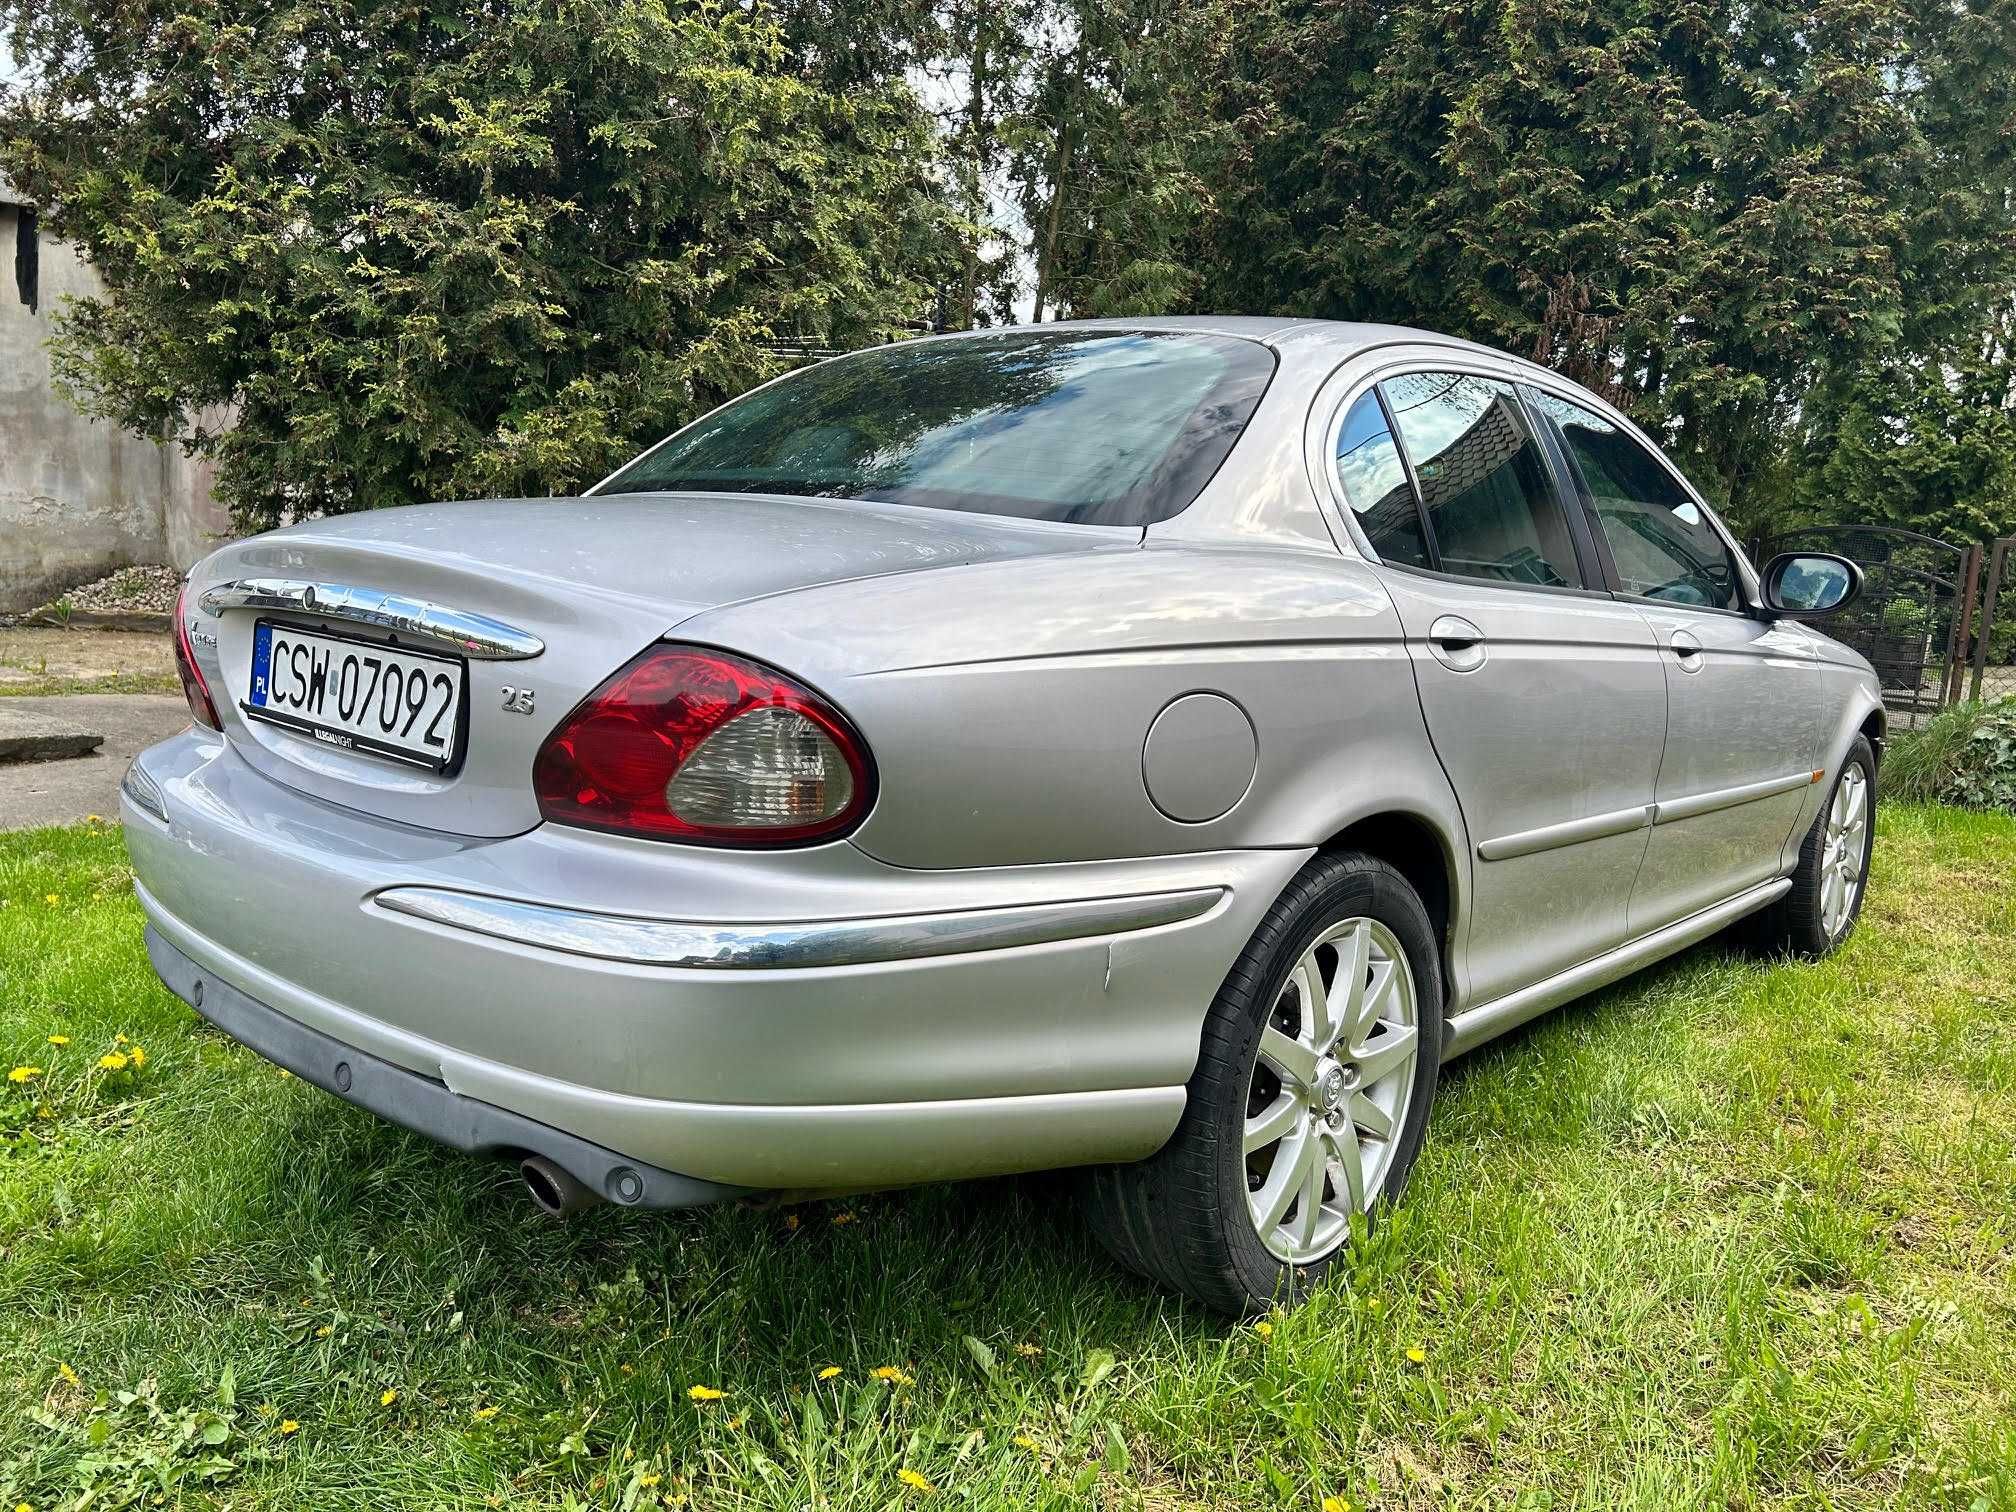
x: 1985, y: 656
x: 1908, y: 618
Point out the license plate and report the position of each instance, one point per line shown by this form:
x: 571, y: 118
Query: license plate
x: 357, y: 695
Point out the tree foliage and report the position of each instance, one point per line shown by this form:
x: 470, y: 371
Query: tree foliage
x: 1727, y: 216
x: 421, y: 247
x: 429, y: 248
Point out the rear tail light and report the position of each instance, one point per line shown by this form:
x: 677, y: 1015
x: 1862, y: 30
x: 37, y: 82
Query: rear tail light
x: 697, y: 745
x: 194, y: 689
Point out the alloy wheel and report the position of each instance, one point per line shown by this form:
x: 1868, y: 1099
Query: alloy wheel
x: 1847, y: 844
x: 1330, y: 1089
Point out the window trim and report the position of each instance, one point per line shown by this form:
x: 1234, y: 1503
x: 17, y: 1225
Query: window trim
x: 1464, y: 364
x: 1745, y: 573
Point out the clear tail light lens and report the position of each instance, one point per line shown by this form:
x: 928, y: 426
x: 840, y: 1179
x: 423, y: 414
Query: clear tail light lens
x: 195, y: 691
x: 696, y: 745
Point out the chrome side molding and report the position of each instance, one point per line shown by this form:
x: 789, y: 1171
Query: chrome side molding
x: 1623, y: 821
x: 1475, y: 1026
x: 472, y: 635
x: 698, y: 945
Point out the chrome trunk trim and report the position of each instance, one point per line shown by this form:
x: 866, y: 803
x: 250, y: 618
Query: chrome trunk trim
x: 698, y: 945
x: 473, y: 635
x: 1474, y: 1026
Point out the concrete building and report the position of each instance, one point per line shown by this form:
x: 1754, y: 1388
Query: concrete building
x: 78, y: 497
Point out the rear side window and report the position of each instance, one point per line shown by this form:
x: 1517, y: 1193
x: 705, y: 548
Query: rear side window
x: 1375, y: 485
x: 1083, y: 427
x: 1661, y: 541
x: 1485, y: 488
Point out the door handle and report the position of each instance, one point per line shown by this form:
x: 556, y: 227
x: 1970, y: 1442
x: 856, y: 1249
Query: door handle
x: 1456, y: 643
x: 1687, y: 650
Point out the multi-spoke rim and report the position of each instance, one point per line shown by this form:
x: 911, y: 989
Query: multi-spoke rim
x: 1847, y: 848
x: 1330, y: 1089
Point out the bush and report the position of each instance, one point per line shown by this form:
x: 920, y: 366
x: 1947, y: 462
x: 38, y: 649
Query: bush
x: 1966, y: 755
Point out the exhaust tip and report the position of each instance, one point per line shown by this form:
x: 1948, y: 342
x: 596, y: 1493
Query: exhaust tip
x: 552, y: 1190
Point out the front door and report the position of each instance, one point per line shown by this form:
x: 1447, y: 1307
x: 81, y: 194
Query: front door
x: 1743, y: 725
x: 1546, y: 701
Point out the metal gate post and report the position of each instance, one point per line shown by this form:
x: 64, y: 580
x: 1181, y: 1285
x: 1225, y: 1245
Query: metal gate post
x: 1995, y: 566
x: 1956, y: 664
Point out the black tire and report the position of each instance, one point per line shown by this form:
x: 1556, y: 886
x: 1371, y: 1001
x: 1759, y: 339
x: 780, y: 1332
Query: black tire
x: 1180, y: 1217
x: 1795, y: 925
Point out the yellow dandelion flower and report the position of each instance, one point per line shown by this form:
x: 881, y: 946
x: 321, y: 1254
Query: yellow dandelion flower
x: 1336, y: 1504
x: 1418, y: 1355
x: 892, y: 1375
x: 23, y: 1507
x: 113, y: 1062
x: 829, y: 1372
x: 1375, y: 1306
x: 59, y: 1040
x: 1265, y: 1330
x: 139, y: 1057
x: 94, y: 819
x: 289, y: 1426
x: 1029, y: 1351
x: 285, y: 1073
x: 841, y: 1220
x: 737, y: 1421
x: 627, y: 1369
x: 915, y: 1481
x: 52, y: 899
x: 388, y: 1396
x: 120, y: 1039
x: 484, y: 1414
x: 648, y: 1479
x: 24, y: 1074
x: 324, y: 1331
x: 705, y: 1393
x: 69, y: 1376
x: 1023, y: 1441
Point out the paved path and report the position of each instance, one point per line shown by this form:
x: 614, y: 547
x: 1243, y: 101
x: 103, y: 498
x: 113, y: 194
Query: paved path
x: 62, y: 792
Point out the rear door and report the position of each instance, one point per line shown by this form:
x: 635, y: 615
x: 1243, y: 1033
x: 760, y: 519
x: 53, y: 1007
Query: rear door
x: 1743, y: 693
x: 1544, y: 697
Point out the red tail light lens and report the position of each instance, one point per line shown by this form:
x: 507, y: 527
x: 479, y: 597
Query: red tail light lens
x: 195, y: 691
x: 697, y: 745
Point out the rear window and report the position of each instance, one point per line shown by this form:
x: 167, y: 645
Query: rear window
x: 1083, y: 427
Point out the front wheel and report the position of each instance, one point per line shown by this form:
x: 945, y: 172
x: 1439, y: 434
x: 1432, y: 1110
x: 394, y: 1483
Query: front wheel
x: 1318, y: 1065
x: 1820, y: 911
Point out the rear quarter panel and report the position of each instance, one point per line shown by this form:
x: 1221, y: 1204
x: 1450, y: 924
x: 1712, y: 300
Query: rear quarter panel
x: 1007, y: 703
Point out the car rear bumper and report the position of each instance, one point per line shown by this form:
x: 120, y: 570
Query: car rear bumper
x: 806, y: 1020
x: 415, y: 1102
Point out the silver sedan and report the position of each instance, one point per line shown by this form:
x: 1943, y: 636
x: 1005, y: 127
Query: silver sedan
x: 1151, y: 746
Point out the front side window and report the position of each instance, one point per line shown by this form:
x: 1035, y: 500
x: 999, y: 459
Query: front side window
x: 1491, y: 506
x: 1083, y: 427
x: 1661, y: 540
x: 1375, y: 485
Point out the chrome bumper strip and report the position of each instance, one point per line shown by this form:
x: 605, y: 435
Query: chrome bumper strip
x: 472, y: 635
x: 791, y: 945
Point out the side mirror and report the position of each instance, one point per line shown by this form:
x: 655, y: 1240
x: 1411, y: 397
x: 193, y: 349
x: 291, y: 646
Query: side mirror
x: 1809, y: 584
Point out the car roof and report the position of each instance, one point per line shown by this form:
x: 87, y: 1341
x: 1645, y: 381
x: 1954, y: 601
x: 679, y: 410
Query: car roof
x: 1330, y: 340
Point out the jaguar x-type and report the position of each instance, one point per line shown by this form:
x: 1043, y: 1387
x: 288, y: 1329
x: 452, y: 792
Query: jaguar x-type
x: 1148, y: 746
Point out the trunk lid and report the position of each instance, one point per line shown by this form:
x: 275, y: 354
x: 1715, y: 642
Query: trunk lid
x: 595, y: 580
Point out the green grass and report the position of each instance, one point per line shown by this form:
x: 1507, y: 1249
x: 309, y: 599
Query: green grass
x: 44, y: 686
x: 1730, y: 1234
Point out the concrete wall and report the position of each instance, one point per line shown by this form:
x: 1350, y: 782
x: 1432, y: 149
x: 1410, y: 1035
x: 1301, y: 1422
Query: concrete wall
x: 78, y: 497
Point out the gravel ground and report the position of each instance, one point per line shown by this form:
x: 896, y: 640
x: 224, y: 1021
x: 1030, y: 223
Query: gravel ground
x: 130, y: 590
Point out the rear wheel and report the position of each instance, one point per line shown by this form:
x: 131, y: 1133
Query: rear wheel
x: 1833, y: 871
x: 1318, y: 1064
